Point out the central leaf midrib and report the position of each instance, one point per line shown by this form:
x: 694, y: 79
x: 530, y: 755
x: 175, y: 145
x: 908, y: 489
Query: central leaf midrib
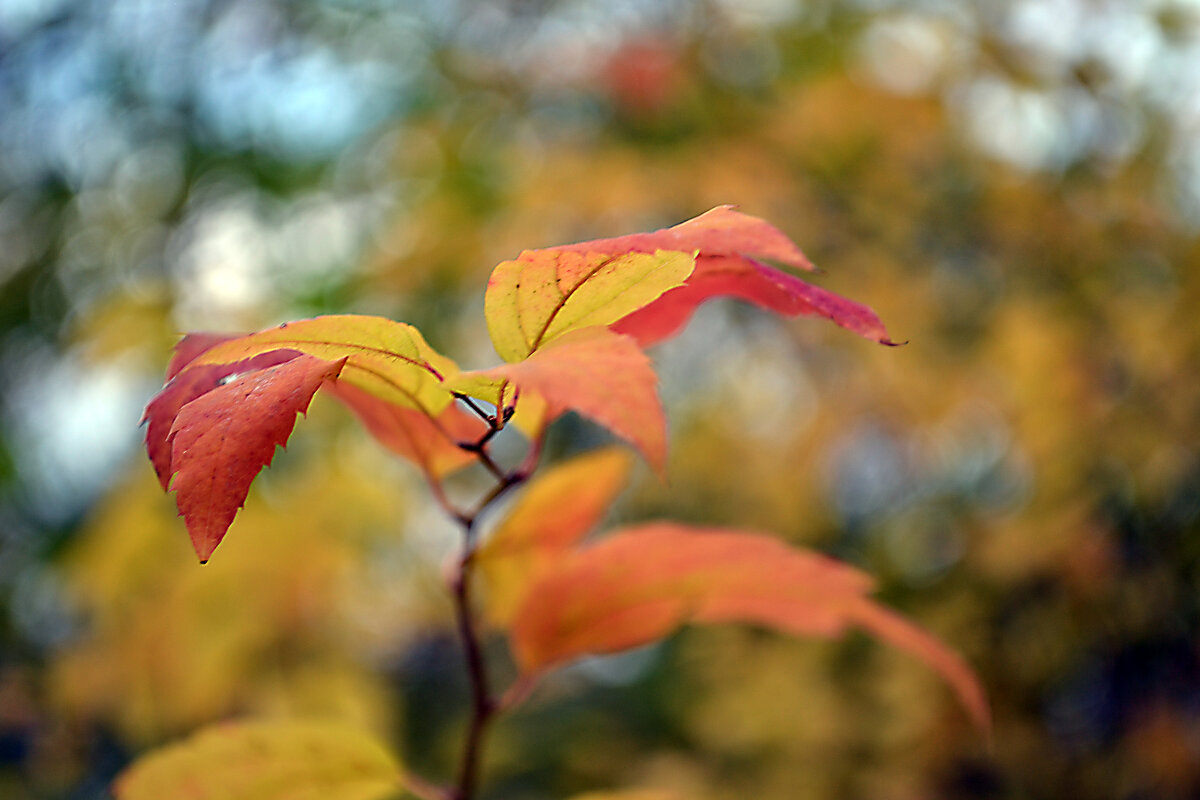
x: 537, y: 342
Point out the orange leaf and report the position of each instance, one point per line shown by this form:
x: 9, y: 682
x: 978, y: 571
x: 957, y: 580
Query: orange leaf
x: 598, y: 373
x: 555, y: 511
x: 728, y: 244
x: 547, y: 293
x: 429, y: 442
x: 642, y: 583
x: 222, y: 439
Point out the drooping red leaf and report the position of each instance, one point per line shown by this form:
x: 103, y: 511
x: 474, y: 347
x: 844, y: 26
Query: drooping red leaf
x: 182, y: 389
x: 600, y: 374
x: 729, y: 246
x: 429, y: 442
x: 750, y: 280
x: 223, y: 438
x: 642, y: 583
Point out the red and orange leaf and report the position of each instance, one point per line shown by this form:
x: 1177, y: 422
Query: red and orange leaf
x: 600, y: 374
x: 429, y: 442
x: 720, y: 231
x: 388, y: 359
x: 222, y: 439
x: 642, y: 583
x: 728, y: 244
x: 556, y: 510
x: 754, y: 282
x: 182, y: 389
x: 544, y: 294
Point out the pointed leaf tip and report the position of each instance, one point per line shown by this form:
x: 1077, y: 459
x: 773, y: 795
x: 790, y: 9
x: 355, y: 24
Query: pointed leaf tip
x: 729, y: 246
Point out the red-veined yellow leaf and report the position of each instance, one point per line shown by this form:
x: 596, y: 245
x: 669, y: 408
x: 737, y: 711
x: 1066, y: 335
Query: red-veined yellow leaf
x: 544, y: 294
x: 388, y: 359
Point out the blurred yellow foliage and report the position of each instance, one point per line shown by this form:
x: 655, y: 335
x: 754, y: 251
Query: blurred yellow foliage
x: 262, y: 628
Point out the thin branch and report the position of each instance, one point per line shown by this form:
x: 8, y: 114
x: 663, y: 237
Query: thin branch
x: 471, y: 404
x: 483, y: 706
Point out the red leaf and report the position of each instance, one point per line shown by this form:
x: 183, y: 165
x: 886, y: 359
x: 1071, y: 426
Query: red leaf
x: 593, y: 371
x: 223, y: 438
x: 182, y: 389
x: 429, y: 442
x: 642, y: 583
x: 728, y: 244
x: 189, y: 348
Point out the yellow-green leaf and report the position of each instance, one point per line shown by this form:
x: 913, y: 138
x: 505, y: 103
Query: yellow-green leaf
x: 388, y: 359
x: 555, y: 511
x: 546, y: 293
x: 266, y: 761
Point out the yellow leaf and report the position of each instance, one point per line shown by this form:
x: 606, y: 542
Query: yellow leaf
x: 556, y: 510
x: 266, y: 761
x: 546, y: 293
x: 388, y: 359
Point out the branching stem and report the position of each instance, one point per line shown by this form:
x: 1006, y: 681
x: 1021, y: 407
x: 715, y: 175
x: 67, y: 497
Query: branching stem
x: 483, y: 704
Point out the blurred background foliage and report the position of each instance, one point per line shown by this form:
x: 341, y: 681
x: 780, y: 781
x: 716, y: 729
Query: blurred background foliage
x: 1015, y: 187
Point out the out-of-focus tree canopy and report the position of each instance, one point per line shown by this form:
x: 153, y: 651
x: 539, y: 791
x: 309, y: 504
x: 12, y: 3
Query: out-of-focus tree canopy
x: 1014, y: 187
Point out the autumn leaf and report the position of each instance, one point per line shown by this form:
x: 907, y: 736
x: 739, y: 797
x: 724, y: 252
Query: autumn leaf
x: 642, y: 583
x: 544, y: 294
x: 182, y: 389
x: 289, y: 760
x: 188, y: 348
x: 388, y: 359
x: 222, y: 439
x: 728, y: 244
x: 600, y: 374
x: 429, y: 442
x: 555, y: 511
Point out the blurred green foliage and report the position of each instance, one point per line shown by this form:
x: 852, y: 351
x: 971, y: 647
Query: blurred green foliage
x: 1015, y: 188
